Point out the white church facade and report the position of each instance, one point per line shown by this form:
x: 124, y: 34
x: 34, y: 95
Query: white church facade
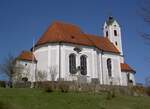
x: 64, y: 52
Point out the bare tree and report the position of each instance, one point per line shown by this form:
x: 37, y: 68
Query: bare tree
x: 8, y: 67
x: 41, y: 75
x: 147, y: 81
x: 18, y: 75
x: 145, y: 14
x: 53, y: 72
x: 12, y: 69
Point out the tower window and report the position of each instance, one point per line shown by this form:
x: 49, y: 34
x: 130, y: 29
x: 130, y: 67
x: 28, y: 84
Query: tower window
x: 72, y: 63
x: 116, y: 43
x: 107, y: 33
x: 115, y: 32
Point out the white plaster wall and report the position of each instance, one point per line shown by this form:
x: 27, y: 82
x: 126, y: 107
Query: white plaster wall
x: 94, y: 64
x: 48, y: 56
x: 132, y: 77
x: 124, y: 79
x: 121, y: 59
x: 116, y: 71
x: 42, y: 58
x: 66, y: 50
x: 27, y: 69
x: 41, y: 54
x: 100, y: 67
x: 54, y: 60
x: 48, y: 59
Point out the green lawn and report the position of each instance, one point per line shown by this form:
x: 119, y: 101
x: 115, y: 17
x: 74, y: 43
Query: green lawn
x: 38, y: 99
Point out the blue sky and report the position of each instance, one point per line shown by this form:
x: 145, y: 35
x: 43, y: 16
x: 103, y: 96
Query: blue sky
x: 21, y: 21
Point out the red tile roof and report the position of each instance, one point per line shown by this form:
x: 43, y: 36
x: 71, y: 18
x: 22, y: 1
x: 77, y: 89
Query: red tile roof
x: 68, y: 33
x: 126, y: 68
x: 27, y: 56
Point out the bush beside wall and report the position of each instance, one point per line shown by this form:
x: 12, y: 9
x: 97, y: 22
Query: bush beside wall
x: 148, y: 91
x: 66, y: 86
x: 2, y: 84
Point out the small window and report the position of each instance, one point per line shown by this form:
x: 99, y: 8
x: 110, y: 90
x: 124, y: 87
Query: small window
x: 115, y: 32
x: 107, y: 33
x: 109, y: 67
x: 116, y: 43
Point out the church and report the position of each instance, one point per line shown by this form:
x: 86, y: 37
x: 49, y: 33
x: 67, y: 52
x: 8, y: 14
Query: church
x: 65, y: 52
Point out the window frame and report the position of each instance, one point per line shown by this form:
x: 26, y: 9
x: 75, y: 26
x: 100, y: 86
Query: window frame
x: 83, y: 64
x: 116, y: 43
x: 106, y: 33
x: 115, y: 33
x: 72, y: 63
x: 109, y: 67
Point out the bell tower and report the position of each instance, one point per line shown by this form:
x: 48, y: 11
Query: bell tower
x: 112, y: 31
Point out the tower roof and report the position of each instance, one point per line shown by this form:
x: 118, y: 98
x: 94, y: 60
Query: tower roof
x: 110, y: 20
x: 126, y: 68
x: 68, y: 33
x: 27, y: 56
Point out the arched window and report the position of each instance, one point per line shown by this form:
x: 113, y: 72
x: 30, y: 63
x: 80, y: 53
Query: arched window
x: 83, y: 63
x: 72, y: 63
x: 109, y: 67
x: 116, y: 43
x: 115, y: 32
x: 107, y: 33
x: 128, y: 77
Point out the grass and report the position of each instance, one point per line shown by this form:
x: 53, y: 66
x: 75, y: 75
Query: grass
x: 38, y: 99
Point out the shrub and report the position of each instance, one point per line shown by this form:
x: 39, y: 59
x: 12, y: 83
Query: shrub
x: 4, y: 105
x: 111, y: 94
x: 148, y: 91
x: 2, y: 84
x: 108, y: 97
x: 22, y: 84
x: 139, y: 90
x: 48, y: 87
x: 38, y: 84
x: 63, y: 86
